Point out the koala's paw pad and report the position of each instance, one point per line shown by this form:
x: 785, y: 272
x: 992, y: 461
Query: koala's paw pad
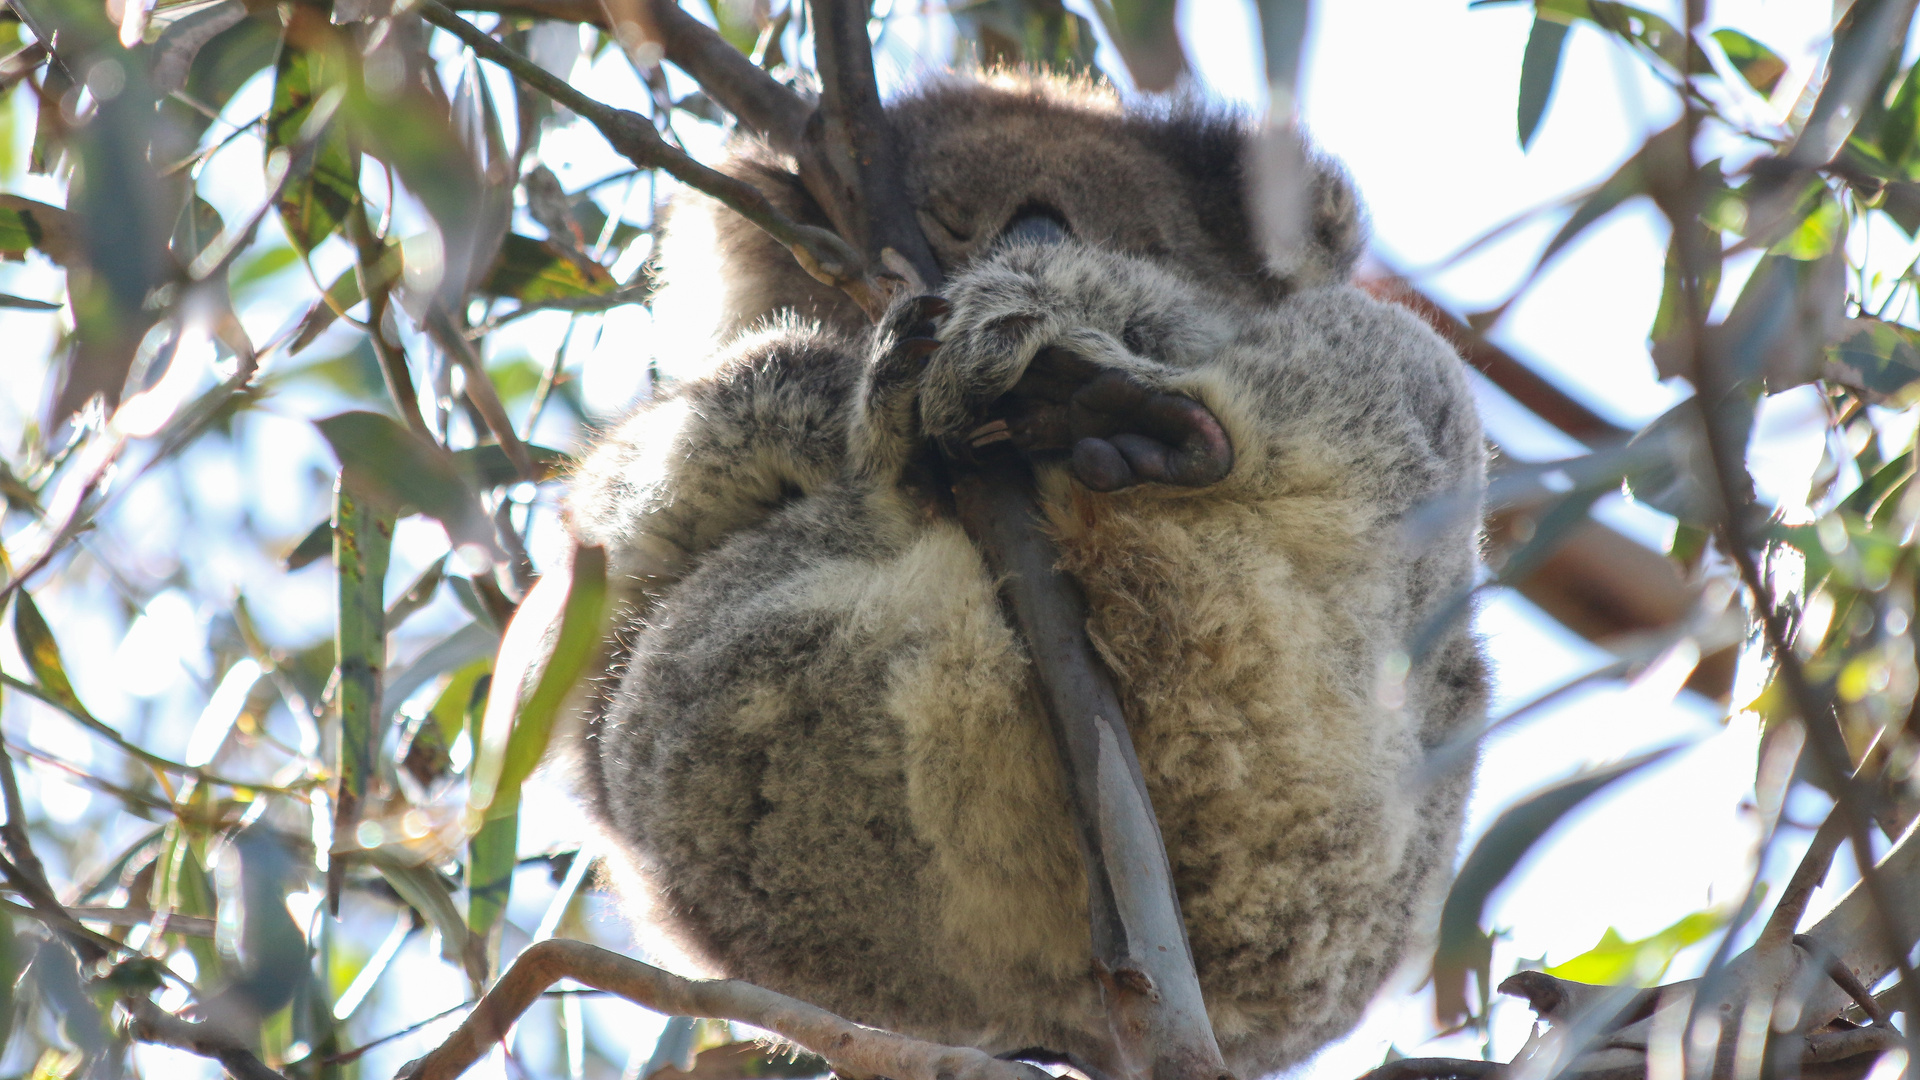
x: 1118, y: 432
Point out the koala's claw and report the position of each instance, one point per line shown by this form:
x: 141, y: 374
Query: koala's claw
x: 1118, y: 431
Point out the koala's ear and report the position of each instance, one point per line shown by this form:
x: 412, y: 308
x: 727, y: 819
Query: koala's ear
x: 1311, y: 225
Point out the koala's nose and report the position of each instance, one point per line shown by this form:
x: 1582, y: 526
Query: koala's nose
x: 1034, y: 226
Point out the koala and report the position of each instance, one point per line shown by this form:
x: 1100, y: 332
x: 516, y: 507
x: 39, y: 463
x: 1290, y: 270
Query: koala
x: 817, y: 752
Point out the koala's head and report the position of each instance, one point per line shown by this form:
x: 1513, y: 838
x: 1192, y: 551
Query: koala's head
x: 983, y: 154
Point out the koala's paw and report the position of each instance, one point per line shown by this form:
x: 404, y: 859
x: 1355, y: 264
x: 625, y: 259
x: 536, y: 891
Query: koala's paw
x: 1116, y: 430
x: 906, y: 337
x: 884, y: 429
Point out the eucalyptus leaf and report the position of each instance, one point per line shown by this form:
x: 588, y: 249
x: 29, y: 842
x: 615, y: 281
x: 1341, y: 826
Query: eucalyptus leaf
x: 1760, y: 66
x: 316, y: 199
x: 1539, y: 68
x: 1463, y: 946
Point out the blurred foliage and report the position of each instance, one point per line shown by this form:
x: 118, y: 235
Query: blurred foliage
x: 248, y: 757
x: 1772, y: 181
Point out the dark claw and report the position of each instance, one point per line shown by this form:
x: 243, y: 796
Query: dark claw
x: 917, y: 346
x: 932, y: 307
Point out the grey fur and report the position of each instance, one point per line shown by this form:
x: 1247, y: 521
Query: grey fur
x: 819, y: 758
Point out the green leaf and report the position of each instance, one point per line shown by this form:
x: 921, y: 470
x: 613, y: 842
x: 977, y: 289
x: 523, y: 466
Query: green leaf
x: 492, y: 850
x: 1651, y: 33
x: 1539, y: 67
x: 315, y: 201
x: 42, y: 654
x: 1900, y: 127
x: 407, y: 472
x: 26, y: 225
x: 1817, y: 234
x: 342, y: 295
x: 1901, y: 202
x: 1626, y: 182
x: 1148, y: 41
x: 1760, y: 66
x: 261, y: 266
x: 532, y: 271
x: 1671, y: 320
x: 431, y: 895
x: 316, y: 545
x: 271, y: 948
x: 362, y: 541
x: 455, y: 708
x: 198, y: 225
x: 520, y: 722
x: 1463, y: 947
x: 1615, y: 961
x: 1037, y: 33
x: 489, y: 467
x: 1882, y: 358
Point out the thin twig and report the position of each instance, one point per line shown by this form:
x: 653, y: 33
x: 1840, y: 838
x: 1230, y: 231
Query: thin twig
x: 851, y: 1048
x: 1845, y: 979
x: 480, y: 390
x: 1806, y: 878
x: 121, y: 743
x: 820, y: 252
x: 155, y: 1025
x: 729, y: 77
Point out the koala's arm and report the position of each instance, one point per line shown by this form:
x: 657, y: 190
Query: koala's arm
x: 717, y: 455
x: 1325, y: 393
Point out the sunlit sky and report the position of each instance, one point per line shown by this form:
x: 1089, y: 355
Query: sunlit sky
x: 1418, y: 98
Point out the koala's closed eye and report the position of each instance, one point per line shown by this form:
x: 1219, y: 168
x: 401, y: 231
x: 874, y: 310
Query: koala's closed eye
x: 822, y: 756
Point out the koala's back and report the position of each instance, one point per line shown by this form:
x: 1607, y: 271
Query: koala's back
x: 822, y: 756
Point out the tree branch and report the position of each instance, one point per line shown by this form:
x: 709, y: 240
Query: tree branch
x: 759, y: 101
x: 153, y: 1024
x: 824, y: 255
x: 852, y: 1049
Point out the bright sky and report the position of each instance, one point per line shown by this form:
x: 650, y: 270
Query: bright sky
x: 1417, y: 97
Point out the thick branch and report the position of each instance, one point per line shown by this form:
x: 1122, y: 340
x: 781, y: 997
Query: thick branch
x: 856, y: 149
x: 1153, y: 998
x: 852, y: 1049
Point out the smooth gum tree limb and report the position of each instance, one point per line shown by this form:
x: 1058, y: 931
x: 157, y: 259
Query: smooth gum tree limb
x: 852, y: 1049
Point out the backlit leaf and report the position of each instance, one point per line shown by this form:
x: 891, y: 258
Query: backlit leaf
x: 1881, y: 358
x: 1615, y: 961
x: 26, y: 225
x: 1760, y: 66
x: 362, y: 542
x: 1900, y: 127
x: 432, y: 896
x: 315, y: 200
x: 1539, y: 68
x: 407, y: 472
x: 1462, y: 945
x: 515, y: 735
x: 42, y: 654
x: 532, y: 271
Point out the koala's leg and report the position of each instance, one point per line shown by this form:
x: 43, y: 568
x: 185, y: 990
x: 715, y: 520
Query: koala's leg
x: 718, y: 455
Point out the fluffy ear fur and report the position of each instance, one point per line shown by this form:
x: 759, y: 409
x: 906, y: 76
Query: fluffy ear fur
x: 1311, y: 225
